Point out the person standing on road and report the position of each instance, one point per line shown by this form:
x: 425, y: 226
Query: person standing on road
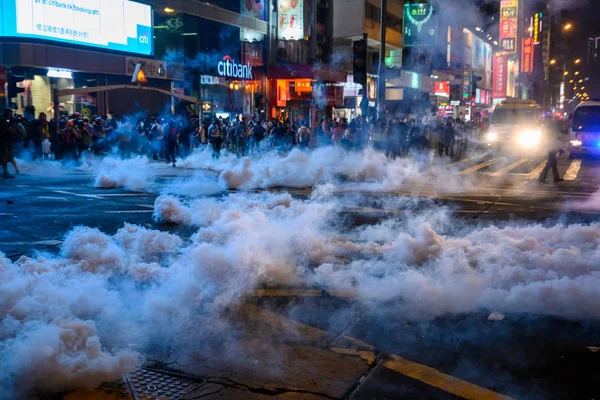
x: 215, y: 138
x: 553, y: 147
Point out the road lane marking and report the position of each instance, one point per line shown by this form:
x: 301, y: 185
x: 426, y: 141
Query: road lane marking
x: 535, y: 174
x: 411, y: 369
x: 126, y: 194
x: 464, y: 160
x: 477, y: 167
x: 128, y: 211
x: 439, y: 380
x: 510, y: 167
x: 573, y: 170
x: 92, y: 196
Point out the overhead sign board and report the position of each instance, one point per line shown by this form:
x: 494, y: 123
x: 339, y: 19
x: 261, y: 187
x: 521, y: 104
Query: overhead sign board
x: 155, y: 69
x: 420, y: 24
x: 509, y: 24
x: 121, y: 25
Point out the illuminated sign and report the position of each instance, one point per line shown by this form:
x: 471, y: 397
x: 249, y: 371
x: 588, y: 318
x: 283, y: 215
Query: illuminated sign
x: 509, y: 23
x: 121, y: 25
x: 441, y: 89
x: 527, y: 55
x: 252, y: 9
x: 56, y: 73
x: 420, y: 24
x: 562, y: 95
x: 228, y: 67
x: 537, y: 28
x: 499, y: 77
x: 290, y: 20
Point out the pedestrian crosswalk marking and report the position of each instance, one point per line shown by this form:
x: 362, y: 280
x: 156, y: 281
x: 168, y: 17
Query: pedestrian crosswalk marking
x: 477, y: 167
x: 573, y: 170
x: 462, y: 161
x: 510, y: 167
x: 537, y: 171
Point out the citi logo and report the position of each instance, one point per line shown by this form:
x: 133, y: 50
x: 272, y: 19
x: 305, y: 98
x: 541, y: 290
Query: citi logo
x: 144, y: 39
x: 228, y: 67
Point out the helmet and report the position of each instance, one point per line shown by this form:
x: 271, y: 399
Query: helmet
x: 70, y: 124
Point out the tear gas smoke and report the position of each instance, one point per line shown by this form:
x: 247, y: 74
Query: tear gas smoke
x: 86, y: 315
x: 133, y: 173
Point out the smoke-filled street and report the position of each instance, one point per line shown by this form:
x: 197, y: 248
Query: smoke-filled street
x: 306, y: 275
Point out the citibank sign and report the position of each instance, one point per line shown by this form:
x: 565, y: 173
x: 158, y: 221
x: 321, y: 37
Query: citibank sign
x: 228, y: 67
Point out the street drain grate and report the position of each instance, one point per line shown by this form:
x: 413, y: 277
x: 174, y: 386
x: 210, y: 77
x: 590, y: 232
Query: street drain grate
x: 154, y: 384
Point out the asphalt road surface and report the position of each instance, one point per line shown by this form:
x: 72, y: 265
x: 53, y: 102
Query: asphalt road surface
x: 337, y: 347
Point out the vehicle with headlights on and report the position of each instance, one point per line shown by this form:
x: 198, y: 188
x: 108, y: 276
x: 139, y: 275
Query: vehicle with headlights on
x: 516, y: 128
x: 585, y: 129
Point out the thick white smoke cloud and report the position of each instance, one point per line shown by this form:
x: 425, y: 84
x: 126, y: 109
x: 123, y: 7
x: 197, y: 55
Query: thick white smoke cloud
x: 369, y: 169
x: 133, y: 173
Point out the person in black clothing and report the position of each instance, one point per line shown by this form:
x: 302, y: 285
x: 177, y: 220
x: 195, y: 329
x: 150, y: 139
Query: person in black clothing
x: 257, y: 134
x: 171, y: 137
x: 279, y: 133
x: 215, y: 138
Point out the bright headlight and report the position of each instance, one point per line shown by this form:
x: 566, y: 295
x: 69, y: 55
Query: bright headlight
x: 576, y: 143
x: 492, y: 137
x: 530, y: 138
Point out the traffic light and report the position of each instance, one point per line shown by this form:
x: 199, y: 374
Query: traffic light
x: 474, y: 80
x: 12, y: 90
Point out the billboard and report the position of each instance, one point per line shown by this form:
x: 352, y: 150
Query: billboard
x: 121, y: 25
x: 420, y: 24
x: 499, y: 77
x: 252, y: 9
x: 509, y: 24
x: 441, y: 89
x: 527, y: 55
x: 290, y: 20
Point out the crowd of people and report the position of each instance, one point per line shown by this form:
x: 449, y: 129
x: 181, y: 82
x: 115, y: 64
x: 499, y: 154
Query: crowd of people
x: 176, y: 136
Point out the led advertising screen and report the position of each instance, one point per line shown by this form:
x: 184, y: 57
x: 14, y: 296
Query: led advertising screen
x: 121, y: 25
x: 253, y: 9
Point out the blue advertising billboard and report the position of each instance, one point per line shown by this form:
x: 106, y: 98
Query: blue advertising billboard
x: 121, y: 25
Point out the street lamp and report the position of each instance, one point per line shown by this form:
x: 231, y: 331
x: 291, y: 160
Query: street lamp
x: 567, y: 26
x: 576, y: 72
x: 577, y: 61
x: 566, y: 73
x: 552, y: 62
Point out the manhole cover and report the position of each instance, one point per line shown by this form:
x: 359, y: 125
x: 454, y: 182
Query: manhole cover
x: 153, y: 384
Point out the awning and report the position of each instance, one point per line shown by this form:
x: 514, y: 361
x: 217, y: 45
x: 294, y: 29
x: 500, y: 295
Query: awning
x: 305, y: 71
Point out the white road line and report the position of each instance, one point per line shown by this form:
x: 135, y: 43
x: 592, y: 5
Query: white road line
x: 93, y: 196
x: 128, y: 211
x: 145, y: 206
x: 573, y: 170
x: 510, y: 167
x: 537, y: 171
x: 477, y: 167
x: 126, y: 194
x: 51, y: 198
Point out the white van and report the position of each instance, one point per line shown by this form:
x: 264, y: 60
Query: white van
x: 585, y: 129
x: 516, y: 126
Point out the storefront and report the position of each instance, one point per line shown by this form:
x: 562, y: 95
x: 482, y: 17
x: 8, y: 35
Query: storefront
x: 301, y: 92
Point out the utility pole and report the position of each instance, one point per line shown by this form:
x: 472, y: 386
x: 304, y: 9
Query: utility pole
x: 381, y: 69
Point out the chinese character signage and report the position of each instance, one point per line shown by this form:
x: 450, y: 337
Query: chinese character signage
x: 499, y: 77
x: 154, y: 69
x: 509, y: 23
x: 441, y: 89
x: 121, y: 25
x: 527, y: 55
x: 537, y: 28
x: 290, y: 19
x: 420, y: 24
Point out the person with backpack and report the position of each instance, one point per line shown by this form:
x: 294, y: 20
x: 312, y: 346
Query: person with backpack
x: 215, y: 138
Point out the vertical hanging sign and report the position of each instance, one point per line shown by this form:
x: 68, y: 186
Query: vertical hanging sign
x: 509, y: 23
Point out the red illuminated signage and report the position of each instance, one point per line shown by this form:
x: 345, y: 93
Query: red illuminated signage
x: 527, y: 55
x: 441, y: 89
x: 499, y: 77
